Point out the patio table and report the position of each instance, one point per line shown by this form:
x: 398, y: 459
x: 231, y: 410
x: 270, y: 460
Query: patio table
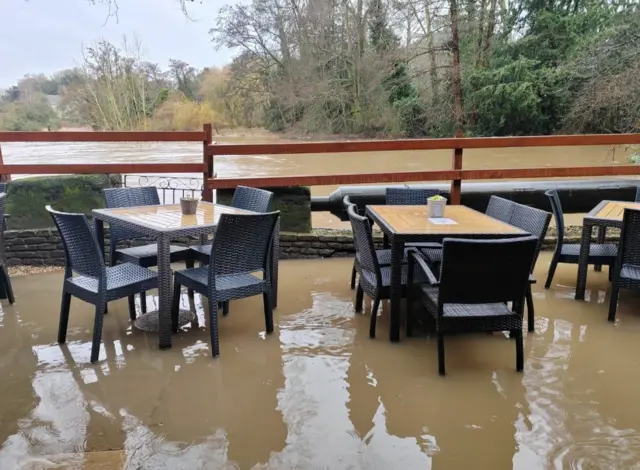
x: 166, y: 222
x: 604, y: 215
x: 410, y: 224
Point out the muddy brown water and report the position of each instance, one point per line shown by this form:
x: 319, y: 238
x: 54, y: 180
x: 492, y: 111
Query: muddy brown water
x: 338, y: 163
x: 319, y: 393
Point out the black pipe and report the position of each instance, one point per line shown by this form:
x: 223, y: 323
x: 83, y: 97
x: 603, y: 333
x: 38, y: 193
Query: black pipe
x: 576, y: 196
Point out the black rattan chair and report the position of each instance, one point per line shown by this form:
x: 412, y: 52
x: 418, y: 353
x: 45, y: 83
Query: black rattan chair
x: 638, y: 194
x: 626, y: 272
x: 500, y: 208
x: 5, y: 280
x: 477, y: 280
x: 374, y: 279
x: 241, y: 247
x: 250, y: 199
x: 383, y: 255
x: 145, y: 255
x: 94, y: 282
x: 412, y: 197
x: 535, y: 222
x: 599, y: 253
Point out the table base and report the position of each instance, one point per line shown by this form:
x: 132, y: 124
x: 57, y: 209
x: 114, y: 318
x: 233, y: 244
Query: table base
x: 149, y: 321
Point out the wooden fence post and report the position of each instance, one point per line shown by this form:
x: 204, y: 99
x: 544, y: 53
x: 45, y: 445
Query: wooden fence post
x: 456, y: 164
x: 207, y: 194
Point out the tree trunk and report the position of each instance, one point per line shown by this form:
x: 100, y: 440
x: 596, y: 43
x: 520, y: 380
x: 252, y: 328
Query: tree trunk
x: 456, y: 79
x: 433, y: 72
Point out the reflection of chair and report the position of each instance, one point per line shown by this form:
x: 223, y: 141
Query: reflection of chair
x: 250, y: 199
x: 146, y: 255
x: 241, y: 247
x: 5, y: 280
x: 535, y: 222
x: 477, y: 279
x: 599, y: 253
x: 626, y: 273
x: 95, y: 283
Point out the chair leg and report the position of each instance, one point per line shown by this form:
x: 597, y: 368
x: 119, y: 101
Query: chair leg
x: 7, y: 284
x: 132, y: 307
x: 97, y: 332
x: 359, y: 298
x: 353, y: 276
x: 602, y: 234
x: 530, y: 311
x: 441, y: 370
x: 552, y: 271
x: 175, y: 306
x: 519, y: 350
x: 213, y: 327
x: 613, y: 303
x: 374, y: 317
x: 611, y: 266
x: 225, y: 308
x: 64, y: 317
x: 190, y: 263
x: 268, y: 311
x: 143, y: 302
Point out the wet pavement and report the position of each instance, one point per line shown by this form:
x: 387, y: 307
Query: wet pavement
x: 318, y: 393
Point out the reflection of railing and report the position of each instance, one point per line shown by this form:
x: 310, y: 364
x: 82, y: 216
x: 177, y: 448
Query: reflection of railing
x: 170, y: 189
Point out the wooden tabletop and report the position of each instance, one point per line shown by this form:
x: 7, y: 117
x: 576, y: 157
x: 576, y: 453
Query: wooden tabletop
x: 407, y: 220
x: 614, y: 210
x: 167, y: 217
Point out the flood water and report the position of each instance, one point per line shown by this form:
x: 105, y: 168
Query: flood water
x: 338, y: 163
x: 319, y: 393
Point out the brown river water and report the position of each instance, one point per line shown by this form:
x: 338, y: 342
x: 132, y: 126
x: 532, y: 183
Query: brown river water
x: 318, y: 393
x: 337, y: 163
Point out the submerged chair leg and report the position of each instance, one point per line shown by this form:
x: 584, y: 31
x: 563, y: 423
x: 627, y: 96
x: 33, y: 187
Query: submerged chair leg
x: 189, y: 263
x: 132, y: 307
x: 268, y: 311
x: 97, y: 331
x: 225, y: 308
x: 613, y: 303
x: 441, y: 370
x: 519, y: 350
x: 552, y: 271
x: 530, y: 311
x: 602, y: 235
x: 7, y: 284
x: 359, y: 298
x: 374, y: 317
x: 143, y: 302
x: 64, y: 317
x: 353, y: 276
x: 213, y: 327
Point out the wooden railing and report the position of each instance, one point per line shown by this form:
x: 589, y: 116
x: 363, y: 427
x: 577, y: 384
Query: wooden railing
x: 210, y: 150
x: 456, y: 174
x: 203, y: 136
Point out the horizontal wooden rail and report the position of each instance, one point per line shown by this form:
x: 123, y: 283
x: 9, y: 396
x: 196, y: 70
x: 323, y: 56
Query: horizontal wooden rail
x: 109, y: 136
x: 102, y: 168
x: 435, y: 175
x: 289, y: 148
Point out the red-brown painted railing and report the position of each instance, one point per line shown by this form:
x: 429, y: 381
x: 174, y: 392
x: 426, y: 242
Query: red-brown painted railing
x: 456, y: 174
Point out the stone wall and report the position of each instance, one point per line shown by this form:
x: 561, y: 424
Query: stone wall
x: 44, y: 246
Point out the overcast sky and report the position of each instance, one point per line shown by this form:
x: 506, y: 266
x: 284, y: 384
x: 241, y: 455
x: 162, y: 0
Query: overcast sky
x: 43, y: 36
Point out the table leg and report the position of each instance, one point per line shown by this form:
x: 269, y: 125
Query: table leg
x: 583, y: 260
x: 164, y: 292
x: 602, y: 235
x: 274, y: 270
x: 397, y: 252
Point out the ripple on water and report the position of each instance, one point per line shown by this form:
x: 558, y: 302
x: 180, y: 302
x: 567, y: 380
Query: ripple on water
x: 608, y: 449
